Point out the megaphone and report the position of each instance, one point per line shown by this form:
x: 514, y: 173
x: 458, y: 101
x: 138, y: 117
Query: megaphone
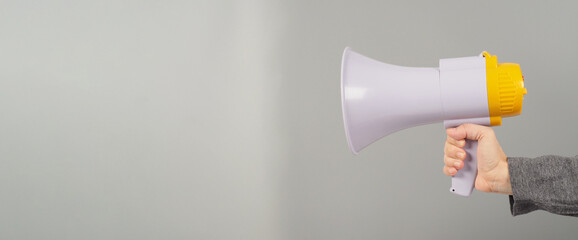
x: 379, y: 99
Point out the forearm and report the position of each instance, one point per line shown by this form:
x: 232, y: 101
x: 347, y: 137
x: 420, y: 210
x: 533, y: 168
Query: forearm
x: 547, y: 183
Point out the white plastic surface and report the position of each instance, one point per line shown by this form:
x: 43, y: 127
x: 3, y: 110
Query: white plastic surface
x: 463, y: 88
x: 379, y: 99
x: 485, y: 121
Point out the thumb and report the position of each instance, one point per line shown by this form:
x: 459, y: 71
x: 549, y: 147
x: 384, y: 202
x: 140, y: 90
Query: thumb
x: 469, y: 131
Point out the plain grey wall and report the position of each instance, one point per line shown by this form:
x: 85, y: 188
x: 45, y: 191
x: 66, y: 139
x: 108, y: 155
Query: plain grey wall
x: 222, y: 119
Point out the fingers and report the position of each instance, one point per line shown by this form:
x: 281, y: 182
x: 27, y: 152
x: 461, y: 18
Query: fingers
x: 456, y: 133
x: 469, y: 131
x: 454, y: 152
x: 450, y: 171
x: 452, y: 165
x: 453, y: 157
x: 455, y: 142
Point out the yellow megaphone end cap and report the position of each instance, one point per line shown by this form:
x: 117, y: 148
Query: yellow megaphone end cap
x: 496, y: 121
x: 506, y: 90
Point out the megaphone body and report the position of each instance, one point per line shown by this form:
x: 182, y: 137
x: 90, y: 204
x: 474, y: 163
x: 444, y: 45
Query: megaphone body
x: 379, y: 99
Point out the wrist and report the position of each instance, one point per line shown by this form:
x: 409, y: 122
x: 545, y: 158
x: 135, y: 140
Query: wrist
x: 501, y: 183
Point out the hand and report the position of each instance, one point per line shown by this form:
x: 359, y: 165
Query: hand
x: 493, y: 175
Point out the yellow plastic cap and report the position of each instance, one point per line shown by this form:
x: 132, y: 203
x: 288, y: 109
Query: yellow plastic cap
x: 506, y: 90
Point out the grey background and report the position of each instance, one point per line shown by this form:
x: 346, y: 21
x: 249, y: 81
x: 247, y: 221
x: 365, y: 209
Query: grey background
x: 222, y: 119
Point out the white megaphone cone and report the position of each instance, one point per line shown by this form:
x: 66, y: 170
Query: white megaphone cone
x: 379, y: 99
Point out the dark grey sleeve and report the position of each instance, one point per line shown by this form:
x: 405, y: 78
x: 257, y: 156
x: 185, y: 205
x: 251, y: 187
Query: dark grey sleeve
x: 548, y: 183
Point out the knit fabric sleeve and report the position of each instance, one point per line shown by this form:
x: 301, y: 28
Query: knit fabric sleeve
x: 548, y: 183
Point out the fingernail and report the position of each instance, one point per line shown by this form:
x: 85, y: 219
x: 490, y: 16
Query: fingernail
x: 457, y: 164
x: 452, y: 171
x: 460, y: 155
x: 461, y: 143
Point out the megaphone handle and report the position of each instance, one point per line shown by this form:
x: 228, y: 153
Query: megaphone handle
x: 463, y: 181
